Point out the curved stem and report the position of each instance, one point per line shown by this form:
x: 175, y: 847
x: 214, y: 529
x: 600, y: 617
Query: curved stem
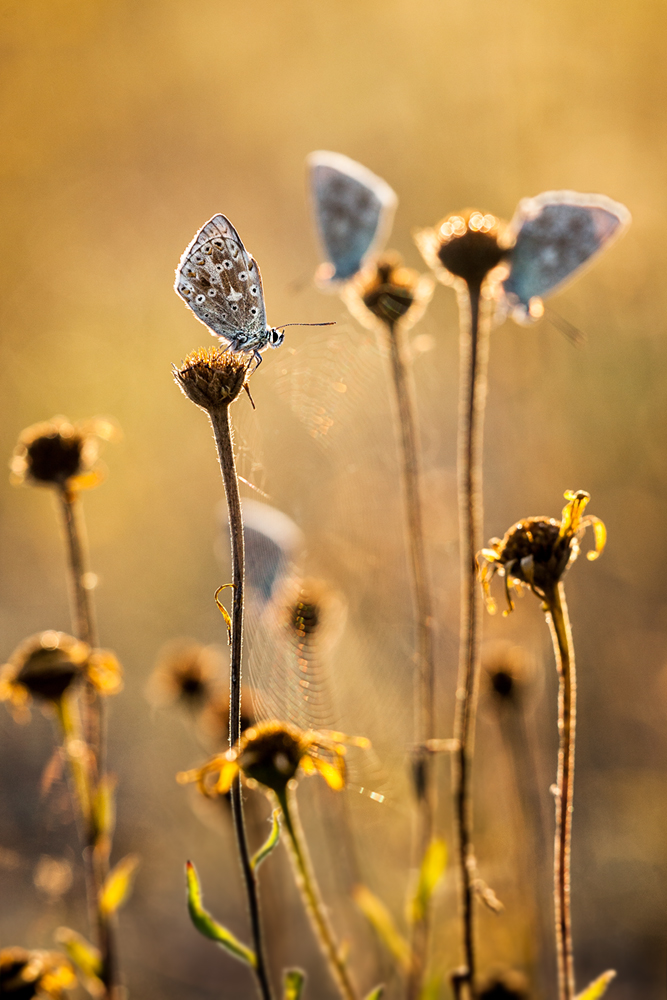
x: 222, y: 430
x: 474, y: 351
x: 87, y: 776
x: 425, y: 687
x: 561, y: 635
x: 311, y: 895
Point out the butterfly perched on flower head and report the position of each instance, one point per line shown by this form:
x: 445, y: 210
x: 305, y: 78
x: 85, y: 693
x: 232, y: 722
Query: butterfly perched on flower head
x: 354, y: 210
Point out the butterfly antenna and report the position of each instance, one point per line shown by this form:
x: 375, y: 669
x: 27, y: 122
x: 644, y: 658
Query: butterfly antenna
x: 576, y: 336
x: 285, y: 325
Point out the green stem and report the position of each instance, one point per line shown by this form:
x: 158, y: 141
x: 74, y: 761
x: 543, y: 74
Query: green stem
x: 423, y: 603
x: 311, y: 895
x: 561, y: 635
x: 474, y: 352
x: 222, y: 430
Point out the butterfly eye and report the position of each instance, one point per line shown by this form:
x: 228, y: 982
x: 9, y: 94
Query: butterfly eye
x: 276, y: 337
x: 200, y: 299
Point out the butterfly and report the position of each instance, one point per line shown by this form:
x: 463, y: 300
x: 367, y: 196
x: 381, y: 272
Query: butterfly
x: 354, y: 210
x: 220, y: 281
x: 552, y: 237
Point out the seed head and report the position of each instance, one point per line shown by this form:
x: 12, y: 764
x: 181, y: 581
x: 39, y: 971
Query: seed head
x: 508, y: 670
x: 387, y: 292
x: 26, y: 974
x: 271, y: 754
x: 185, y: 674
x: 213, y: 377
x: 506, y: 985
x: 537, y: 551
x: 48, y: 664
x: 61, y: 454
x: 467, y: 245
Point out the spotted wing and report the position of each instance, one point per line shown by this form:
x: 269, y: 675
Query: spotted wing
x: 220, y: 281
x: 354, y: 210
x: 556, y: 234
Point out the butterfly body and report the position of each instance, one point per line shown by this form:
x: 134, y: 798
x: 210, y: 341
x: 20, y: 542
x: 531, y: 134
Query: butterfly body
x: 221, y: 282
x: 555, y: 235
x: 354, y: 211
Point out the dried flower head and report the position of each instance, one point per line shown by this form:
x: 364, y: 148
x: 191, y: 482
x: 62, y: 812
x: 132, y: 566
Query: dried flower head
x: 468, y: 245
x: 386, y: 293
x: 507, y: 668
x: 48, y: 664
x: 26, y: 974
x: 185, y: 674
x: 61, y: 454
x: 505, y: 985
x: 213, y: 377
x: 537, y: 551
x: 270, y: 754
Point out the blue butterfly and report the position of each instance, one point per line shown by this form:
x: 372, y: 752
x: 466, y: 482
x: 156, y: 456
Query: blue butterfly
x: 354, y: 210
x: 552, y: 237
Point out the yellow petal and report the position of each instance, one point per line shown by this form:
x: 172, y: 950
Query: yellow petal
x: 118, y: 884
x: 105, y: 672
x: 600, y: 537
x: 334, y: 776
x: 228, y: 772
x: 573, y: 512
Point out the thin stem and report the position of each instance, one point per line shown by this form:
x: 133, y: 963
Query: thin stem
x: 561, y: 635
x: 222, y: 430
x: 311, y: 895
x: 474, y: 352
x: 96, y: 854
x: 423, y: 603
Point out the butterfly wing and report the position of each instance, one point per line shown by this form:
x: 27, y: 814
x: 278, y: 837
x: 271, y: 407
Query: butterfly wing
x: 354, y: 210
x: 220, y: 281
x: 556, y: 234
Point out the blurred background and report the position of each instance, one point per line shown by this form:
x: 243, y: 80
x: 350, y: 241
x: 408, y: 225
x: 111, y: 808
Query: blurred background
x: 125, y: 127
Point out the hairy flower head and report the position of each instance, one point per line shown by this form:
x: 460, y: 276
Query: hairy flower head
x: 48, y: 664
x: 467, y: 245
x: 537, y: 551
x: 213, y: 377
x: 271, y: 754
x: 386, y: 293
x: 60, y: 454
x: 26, y: 974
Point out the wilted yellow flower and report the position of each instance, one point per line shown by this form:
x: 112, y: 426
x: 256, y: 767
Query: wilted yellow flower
x: 271, y: 754
x: 46, y: 665
x: 26, y: 974
x: 537, y: 551
x: 61, y: 454
x: 468, y: 245
x: 387, y: 292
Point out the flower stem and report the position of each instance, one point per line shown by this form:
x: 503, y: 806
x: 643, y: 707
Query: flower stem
x: 222, y: 430
x: 311, y: 895
x: 87, y: 775
x: 561, y: 635
x: 474, y: 352
x: 421, y: 591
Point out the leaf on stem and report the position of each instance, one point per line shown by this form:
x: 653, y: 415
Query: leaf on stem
x: 118, y: 885
x: 85, y: 957
x: 294, y: 982
x: 209, y: 927
x: 432, y: 869
x: 104, y: 807
x: 376, y: 993
x: 382, y: 923
x: 269, y: 843
x: 598, y: 987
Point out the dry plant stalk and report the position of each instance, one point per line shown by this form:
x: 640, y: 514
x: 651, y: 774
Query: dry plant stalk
x: 391, y: 298
x: 213, y: 378
x: 536, y: 553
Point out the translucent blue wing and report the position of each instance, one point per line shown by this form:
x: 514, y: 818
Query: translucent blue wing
x: 556, y: 234
x: 354, y: 210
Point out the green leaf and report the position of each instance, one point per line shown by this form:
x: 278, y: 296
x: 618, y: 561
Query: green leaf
x: 104, y: 807
x: 376, y: 993
x: 269, y: 843
x: 209, y: 927
x: 294, y: 980
x: 432, y: 869
x: 382, y: 923
x: 85, y: 957
x: 598, y: 987
x: 118, y: 884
